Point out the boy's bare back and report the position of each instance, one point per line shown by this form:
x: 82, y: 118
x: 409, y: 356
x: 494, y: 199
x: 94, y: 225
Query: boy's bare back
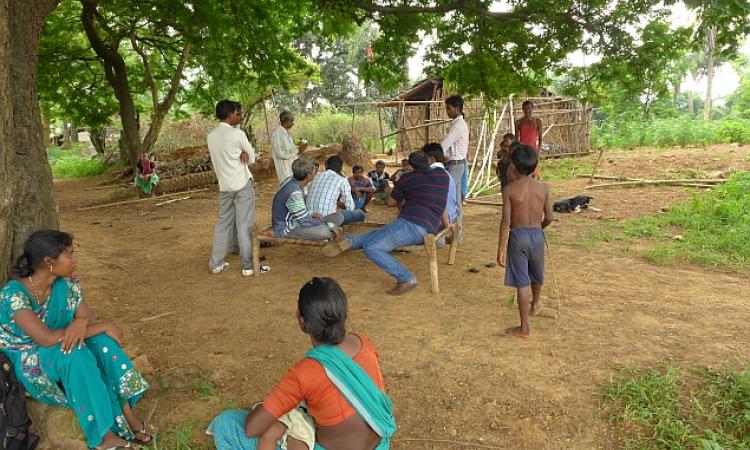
x: 529, y: 202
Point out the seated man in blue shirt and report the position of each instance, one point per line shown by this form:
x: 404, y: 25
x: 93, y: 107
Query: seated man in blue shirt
x: 422, y: 195
x: 289, y: 213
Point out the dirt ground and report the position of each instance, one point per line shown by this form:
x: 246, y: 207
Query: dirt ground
x: 452, y: 373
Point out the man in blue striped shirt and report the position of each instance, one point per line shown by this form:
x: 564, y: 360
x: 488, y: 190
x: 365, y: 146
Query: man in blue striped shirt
x: 289, y: 213
x: 422, y: 195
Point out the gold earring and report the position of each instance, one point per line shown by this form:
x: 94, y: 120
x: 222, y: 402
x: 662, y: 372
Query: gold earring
x: 50, y: 267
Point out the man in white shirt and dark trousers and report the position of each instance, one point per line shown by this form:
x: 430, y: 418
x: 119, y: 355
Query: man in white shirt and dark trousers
x: 456, y: 146
x: 282, y: 145
x: 231, y: 152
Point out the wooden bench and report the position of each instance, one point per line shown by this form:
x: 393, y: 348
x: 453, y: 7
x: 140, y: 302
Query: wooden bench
x: 430, y: 246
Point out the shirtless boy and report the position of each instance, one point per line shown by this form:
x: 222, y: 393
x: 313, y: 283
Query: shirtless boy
x: 527, y: 210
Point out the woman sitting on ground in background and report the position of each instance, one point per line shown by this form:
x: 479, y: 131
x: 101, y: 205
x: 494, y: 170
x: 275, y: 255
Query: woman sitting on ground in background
x: 146, y: 178
x: 339, y: 379
x: 60, y: 355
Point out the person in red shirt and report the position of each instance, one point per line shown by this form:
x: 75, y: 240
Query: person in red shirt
x: 529, y: 131
x: 321, y: 313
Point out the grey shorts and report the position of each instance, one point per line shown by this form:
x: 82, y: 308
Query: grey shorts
x: 525, y: 264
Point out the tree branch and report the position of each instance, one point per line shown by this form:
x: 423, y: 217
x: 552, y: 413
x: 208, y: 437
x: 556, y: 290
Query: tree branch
x: 147, y: 71
x: 372, y: 7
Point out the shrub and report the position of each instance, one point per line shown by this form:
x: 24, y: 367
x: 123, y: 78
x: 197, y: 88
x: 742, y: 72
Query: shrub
x: 71, y: 164
x: 675, y: 131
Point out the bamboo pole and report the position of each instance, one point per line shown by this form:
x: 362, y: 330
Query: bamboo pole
x: 380, y: 124
x: 651, y: 183
x: 683, y: 180
x: 138, y: 200
x: 596, y: 165
x: 353, y: 111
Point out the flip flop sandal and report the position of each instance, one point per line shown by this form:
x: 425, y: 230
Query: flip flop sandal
x: 149, y: 430
x: 129, y: 445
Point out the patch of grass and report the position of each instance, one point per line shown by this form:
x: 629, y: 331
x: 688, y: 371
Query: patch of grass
x: 673, y: 409
x: 180, y: 438
x: 71, y: 164
x: 712, y: 228
x: 565, y: 168
x: 204, y: 388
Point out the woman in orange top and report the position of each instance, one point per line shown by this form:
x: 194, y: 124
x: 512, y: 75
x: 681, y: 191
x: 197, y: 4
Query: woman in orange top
x: 339, y: 380
x: 529, y: 131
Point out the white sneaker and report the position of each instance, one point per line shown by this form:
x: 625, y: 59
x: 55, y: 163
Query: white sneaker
x: 220, y: 268
x: 251, y: 272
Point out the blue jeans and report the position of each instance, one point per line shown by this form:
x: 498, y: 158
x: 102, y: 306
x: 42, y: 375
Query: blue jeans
x: 352, y: 216
x: 379, y: 243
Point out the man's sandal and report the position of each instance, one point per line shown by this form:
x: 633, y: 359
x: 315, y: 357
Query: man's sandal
x: 147, y: 430
x: 129, y: 445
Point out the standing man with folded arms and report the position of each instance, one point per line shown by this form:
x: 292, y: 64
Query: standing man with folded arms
x: 231, y: 152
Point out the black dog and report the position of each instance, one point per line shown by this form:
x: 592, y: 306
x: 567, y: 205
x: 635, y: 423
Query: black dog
x: 574, y: 204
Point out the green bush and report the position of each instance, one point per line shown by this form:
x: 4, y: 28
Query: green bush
x: 668, y: 132
x: 734, y: 130
x: 71, y: 164
x: 712, y: 228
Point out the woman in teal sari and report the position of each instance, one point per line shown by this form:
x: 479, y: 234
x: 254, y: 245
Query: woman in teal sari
x: 60, y: 356
x: 339, y: 381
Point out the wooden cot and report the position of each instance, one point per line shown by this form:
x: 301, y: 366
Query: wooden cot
x: 430, y: 246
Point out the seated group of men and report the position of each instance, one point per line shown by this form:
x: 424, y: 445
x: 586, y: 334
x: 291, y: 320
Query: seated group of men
x: 312, y: 205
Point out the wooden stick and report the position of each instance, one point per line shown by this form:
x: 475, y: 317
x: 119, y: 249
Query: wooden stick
x: 472, y: 201
x: 256, y: 254
x: 651, y: 183
x: 158, y: 316
x: 173, y: 200
x: 449, y: 441
x: 454, y: 243
x: 681, y: 180
x: 430, y: 246
x: 138, y: 200
x: 554, y: 278
x: 593, y: 171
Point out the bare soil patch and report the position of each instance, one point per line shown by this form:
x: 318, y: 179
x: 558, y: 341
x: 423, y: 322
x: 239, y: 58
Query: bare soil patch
x: 449, y: 369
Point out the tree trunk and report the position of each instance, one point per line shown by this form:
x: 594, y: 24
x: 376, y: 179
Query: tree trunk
x: 116, y: 73
x: 99, y: 139
x: 66, y: 135
x: 27, y: 201
x: 73, y: 132
x: 710, y: 51
x: 690, y: 103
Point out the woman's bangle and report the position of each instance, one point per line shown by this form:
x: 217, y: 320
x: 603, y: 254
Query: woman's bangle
x: 86, y: 318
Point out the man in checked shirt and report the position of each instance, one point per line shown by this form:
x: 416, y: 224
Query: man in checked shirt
x: 330, y: 192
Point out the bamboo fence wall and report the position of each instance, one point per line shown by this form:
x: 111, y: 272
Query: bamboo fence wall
x: 566, y: 123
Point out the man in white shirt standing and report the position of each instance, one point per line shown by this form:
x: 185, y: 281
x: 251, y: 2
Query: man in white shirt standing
x: 231, y: 152
x: 284, y: 150
x: 456, y: 146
